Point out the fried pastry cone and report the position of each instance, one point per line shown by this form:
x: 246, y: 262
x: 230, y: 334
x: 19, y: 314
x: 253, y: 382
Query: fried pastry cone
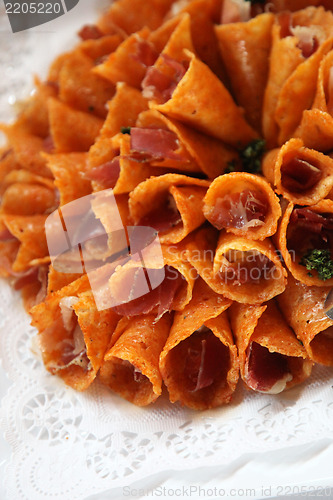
x: 182, y: 148
x: 243, y: 270
x: 242, y: 204
x: 69, y: 175
x: 171, y: 204
x: 26, y: 149
x: 97, y: 48
x: 130, y: 366
x: 29, y: 232
x: 73, y: 334
x: 300, y: 41
x: 123, y: 110
x: 71, y: 130
x: 132, y: 15
x: 316, y: 128
x: 249, y: 271
x: 303, y: 176
x: 33, y: 117
x: 199, y: 362
x: 25, y: 193
x: 204, y: 15
x: 245, y: 49
x: 270, y: 356
x: 304, y: 308
x: 77, y: 73
x: 203, y: 112
x: 303, y: 234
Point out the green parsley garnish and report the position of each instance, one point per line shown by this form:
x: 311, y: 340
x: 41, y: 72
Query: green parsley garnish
x: 249, y: 158
x: 320, y: 261
x: 251, y: 155
x: 125, y: 130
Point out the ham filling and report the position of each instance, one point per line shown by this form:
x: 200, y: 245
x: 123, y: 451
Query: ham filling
x: 145, y: 53
x: 235, y: 11
x: 73, y: 348
x: 239, y: 210
x: 133, y: 372
x: 207, y: 360
x: 90, y: 32
x: 155, y: 144
x: 299, y: 175
x: 160, y: 86
x: 251, y: 267
x: 307, y: 38
x: 106, y: 174
x: 33, y: 275
x: 308, y: 230
x: 6, y: 235
x: 266, y: 371
x: 48, y: 144
x: 160, y: 298
x: 164, y: 218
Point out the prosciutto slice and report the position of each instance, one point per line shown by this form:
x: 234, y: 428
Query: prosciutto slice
x: 90, y: 32
x: 205, y: 360
x: 266, y: 371
x: 166, y: 217
x: 73, y: 351
x: 160, y: 297
x: 308, y: 42
x: 240, y: 210
x: 154, y: 144
x: 307, y: 39
x: 251, y: 269
x: 311, y: 221
x: 106, y: 174
x: 160, y: 86
x: 146, y: 53
x: 299, y: 175
x: 6, y: 235
x: 235, y: 11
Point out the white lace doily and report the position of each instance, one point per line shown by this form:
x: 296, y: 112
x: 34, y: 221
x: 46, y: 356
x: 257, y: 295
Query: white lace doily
x: 68, y: 445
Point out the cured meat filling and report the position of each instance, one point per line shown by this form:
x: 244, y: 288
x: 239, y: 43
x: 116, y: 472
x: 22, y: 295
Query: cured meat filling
x: 235, y: 11
x: 207, y: 360
x: 159, y: 85
x: 250, y: 267
x: 155, y: 144
x: 322, y: 346
x: 145, y: 52
x: 266, y: 371
x: 163, y: 218
x: 307, y: 37
x: 72, y: 348
x: 106, y: 174
x: 308, y: 230
x: 239, y: 210
x: 298, y: 175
